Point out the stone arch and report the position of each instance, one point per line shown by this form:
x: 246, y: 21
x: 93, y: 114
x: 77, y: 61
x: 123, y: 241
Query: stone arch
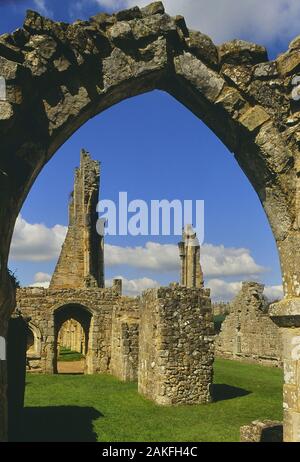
x: 71, y: 336
x: 94, y: 64
x: 36, y: 348
x: 82, y: 315
x: 59, y: 75
x: 73, y: 302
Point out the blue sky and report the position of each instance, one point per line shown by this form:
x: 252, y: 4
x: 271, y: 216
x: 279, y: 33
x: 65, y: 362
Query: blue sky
x: 154, y: 148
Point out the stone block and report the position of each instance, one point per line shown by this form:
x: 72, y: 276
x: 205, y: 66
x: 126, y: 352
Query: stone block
x: 254, y: 118
x: 242, y: 52
x: 265, y: 431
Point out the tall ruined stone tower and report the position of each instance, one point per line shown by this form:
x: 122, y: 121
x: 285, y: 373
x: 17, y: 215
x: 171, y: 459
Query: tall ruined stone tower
x: 81, y: 262
x: 189, y: 252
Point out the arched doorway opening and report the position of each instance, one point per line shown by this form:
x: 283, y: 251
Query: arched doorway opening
x: 72, y: 325
x: 34, y: 347
x: 72, y: 337
x: 142, y: 171
x: 112, y: 59
x: 30, y: 341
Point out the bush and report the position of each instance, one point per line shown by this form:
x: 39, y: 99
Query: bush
x: 14, y: 279
x: 218, y: 320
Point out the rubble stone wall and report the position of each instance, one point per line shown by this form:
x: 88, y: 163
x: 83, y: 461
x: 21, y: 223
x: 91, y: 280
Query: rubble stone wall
x: 125, y: 339
x: 248, y: 333
x: 80, y: 264
x: 42, y: 305
x: 176, y: 351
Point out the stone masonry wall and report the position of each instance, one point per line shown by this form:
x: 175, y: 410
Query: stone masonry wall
x: 41, y: 305
x: 80, y: 263
x: 176, y: 350
x: 266, y: 431
x: 248, y: 333
x: 125, y: 339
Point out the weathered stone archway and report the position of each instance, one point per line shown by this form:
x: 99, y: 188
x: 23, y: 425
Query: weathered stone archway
x: 34, y: 340
x: 60, y: 75
x: 79, y: 313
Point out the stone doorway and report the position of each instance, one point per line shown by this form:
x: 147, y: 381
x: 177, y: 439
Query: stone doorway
x: 72, y: 325
x: 34, y: 347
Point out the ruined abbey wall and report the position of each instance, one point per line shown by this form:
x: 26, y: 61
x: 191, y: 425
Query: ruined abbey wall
x: 81, y: 260
x: 176, y: 345
x: 125, y: 339
x: 164, y: 339
x: 248, y: 333
x: 43, y: 307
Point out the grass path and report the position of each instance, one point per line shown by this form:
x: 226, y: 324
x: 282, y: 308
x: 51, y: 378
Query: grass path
x: 99, y: 407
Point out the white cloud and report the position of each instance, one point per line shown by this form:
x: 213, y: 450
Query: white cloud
x: 42, y: 7
x: 264, y: 21
x: 274, y: 292
x: 225, y: 291
x: 134, y: 287
x: 222, y: 290
x: 41, y: 277
x: 216, y: 260
x: 153, y: 256
x: 36, y: 242
x: 41, y: 280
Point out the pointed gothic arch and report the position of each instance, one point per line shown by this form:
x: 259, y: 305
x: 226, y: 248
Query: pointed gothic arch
x: 60, y: 75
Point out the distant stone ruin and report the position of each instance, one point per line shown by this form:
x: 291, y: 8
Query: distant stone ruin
x: 248, y: 333
x: 164, y: 339
x: 81, y: 262
x: 189, y: 252
x: 72, y: 336
x: 221, y: 308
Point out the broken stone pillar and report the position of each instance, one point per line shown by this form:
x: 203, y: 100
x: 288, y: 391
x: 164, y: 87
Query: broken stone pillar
x: 81, y: 262
x: 189, y: 252
x: 176, y: 346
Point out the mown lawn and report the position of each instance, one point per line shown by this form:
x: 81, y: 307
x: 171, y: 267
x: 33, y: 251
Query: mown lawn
x: 68, y: 355
x: 100, y: 407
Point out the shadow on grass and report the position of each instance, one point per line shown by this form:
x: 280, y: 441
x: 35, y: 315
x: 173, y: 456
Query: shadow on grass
x: 222, y: 392
x: 70, y: 373
x: 58, y: 423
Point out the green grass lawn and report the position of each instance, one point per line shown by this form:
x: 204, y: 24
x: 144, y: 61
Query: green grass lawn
x: 68, y: 355
x: 100, y: 407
